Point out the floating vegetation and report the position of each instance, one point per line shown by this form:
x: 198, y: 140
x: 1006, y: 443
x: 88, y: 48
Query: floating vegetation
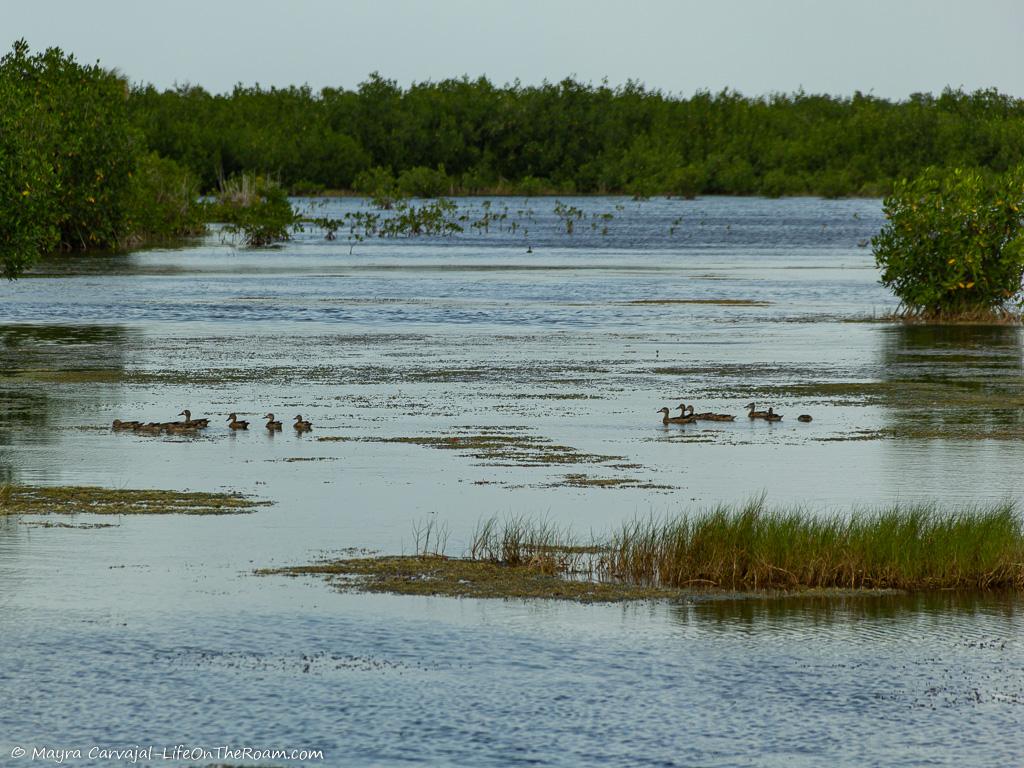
x: 79, y: 526
x: 715, y: 302
x: 464, y: 577
x: 586, y: 481
x: 514, y: 450
x: 83, y: 499
x: 68, y: 376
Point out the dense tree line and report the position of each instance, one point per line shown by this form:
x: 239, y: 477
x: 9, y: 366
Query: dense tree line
x: 88, y: 162
x: 463, y: 135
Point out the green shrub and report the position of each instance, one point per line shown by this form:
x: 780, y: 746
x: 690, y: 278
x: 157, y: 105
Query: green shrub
x: 953, y: 245
x: 164, y: 202
x: 377, y: 182
x: 777, y: 183
x: 255, y: 208
x: 687, y: 182
x: 424, y: 182
x: 531, y: 186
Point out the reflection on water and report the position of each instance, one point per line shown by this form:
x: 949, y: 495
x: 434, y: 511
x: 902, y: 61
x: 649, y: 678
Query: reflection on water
x: 416, y: 338
x: 957, y: 607
x: 49, y: 373
x: 949, y: 382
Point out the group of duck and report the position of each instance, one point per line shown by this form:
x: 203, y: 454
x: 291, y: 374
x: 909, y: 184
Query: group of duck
x: 192, y: 426
x: 687, y: 415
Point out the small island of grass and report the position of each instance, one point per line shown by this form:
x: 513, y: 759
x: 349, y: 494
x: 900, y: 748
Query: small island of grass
x: 83, y: 499
x: 727, y: 550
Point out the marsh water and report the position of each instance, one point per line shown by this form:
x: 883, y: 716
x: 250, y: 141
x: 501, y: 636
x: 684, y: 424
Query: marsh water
x: 155, y: 630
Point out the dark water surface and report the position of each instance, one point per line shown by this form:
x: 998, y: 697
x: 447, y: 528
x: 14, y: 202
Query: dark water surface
x: 155, y: 631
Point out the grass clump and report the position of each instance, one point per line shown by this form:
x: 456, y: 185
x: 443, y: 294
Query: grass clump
x: 77, y: 499
x: 723, y: 551
x: 751, y: 547
x: 516, y: 557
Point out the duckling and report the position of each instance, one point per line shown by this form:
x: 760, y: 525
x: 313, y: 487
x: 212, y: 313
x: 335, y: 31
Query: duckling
x: 804, y: 418
x: 119, y: 426
x: 666, y: 419
x: 234, y: 423
x: 708, y: 416
x: 273, y: 426
x: 196, y: 423
x: 772, y: 416
x: 302, y: 426
x: 755, y: 414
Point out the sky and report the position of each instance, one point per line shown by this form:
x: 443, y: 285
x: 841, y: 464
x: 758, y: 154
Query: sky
x: 890, y: 48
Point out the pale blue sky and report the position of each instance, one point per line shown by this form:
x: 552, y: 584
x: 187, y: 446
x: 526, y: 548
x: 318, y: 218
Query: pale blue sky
x: 888, y: 47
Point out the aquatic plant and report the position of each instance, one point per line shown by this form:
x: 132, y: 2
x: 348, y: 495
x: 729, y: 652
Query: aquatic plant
x: 568, y: 215
x: 750, y: 546
x: 953, y: 243
x: 17, y: 499
x: 731, y: 548
x: 256, y: 208
x: 430, y: 537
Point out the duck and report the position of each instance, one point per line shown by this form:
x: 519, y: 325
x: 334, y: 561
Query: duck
x: 772, y: 416
x: 683, y: 419
x: 273, y: 426
x: 179, y: 428
x: 755, y: 414
x: 119, y: 425
x: 195, y: 423
x: 302, y: 426
x: 804, y: 418
x: 234, y: 423
x: 708, y: 416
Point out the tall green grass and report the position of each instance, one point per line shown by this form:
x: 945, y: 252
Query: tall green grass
x: 751, y: 547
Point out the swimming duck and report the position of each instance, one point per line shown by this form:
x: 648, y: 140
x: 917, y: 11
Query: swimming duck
x: 302, y: 426
x: 119, y: 425
x: 234, y: 423
x: 179, y: 428
x: 804, y: 417
x: 666, y: 419
x: 273, y: 426
x: 755, y: 414
x: 772, y: 416
x: 195, y: 423
x: 708, y: 416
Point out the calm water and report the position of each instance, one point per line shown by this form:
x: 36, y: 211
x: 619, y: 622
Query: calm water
x: 155, y: 632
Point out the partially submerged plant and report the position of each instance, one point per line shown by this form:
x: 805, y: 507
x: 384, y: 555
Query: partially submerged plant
x: 256, y: 208
x: 953, y: 243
